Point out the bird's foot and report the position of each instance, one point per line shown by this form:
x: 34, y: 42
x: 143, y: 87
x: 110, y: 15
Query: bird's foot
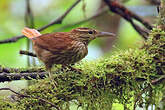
x: 52, y: 80
x: 72, y: 68
x: 54, y: 83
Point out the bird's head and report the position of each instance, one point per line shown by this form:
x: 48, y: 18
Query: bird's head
x: 86, y: 35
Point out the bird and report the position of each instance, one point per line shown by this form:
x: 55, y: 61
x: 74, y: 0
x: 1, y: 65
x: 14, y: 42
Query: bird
x: 63, y: 48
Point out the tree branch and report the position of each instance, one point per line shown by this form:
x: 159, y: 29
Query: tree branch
x: 119, y: 9
x: 11, y: 74
x: 13, y: 39
x: 57, y: 21
x: 28, y: 96
x: 29, y: 22
x: 105, y: 10
x: 18, y: 76
x: 29, y: 19
x: 155, y: 2
x: 24, y: 52
x: 161, y: 17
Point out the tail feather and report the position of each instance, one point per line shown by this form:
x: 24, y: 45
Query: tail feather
x: 30, y: 33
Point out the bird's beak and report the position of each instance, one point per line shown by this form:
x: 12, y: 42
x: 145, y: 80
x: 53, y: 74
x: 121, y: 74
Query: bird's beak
x: 105, y: 34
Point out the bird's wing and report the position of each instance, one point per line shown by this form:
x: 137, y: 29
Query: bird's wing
x: 54, y: 42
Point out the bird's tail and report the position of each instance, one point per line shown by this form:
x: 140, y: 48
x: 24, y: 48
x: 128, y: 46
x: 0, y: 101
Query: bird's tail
x: 30, y: 33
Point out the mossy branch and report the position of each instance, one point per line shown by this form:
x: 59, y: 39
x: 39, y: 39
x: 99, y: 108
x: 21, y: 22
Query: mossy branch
x: 105, y: 81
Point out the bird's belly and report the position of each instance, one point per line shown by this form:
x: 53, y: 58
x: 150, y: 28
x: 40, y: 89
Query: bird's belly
x: 72, y: 55
x: 69, y: 57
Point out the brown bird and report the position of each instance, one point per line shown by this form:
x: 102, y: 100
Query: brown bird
x: 62, y: 47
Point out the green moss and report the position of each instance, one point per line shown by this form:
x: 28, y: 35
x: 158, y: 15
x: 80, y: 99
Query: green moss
x: 6, y: 104
x: 117, y: 79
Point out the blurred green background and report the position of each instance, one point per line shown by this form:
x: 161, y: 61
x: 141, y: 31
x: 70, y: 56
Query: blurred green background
x: 12, y: 21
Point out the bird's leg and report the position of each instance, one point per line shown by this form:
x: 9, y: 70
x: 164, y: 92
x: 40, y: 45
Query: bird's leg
x: 50, y: 74
x: 48, y: 68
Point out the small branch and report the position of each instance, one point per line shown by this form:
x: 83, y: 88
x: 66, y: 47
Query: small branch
x: 28, y: 96
x: 29, y: 22
x: 27, y: 53
x: 153, y: 82
x: 138, y: 18
x: 83, y: 21
x: 17, y: 70
x: 137, y: 98
x: 13, y: 39
x: 126, y: 13
x: 57, y: 21
x: 144, y: 33
x: 29, y: 19
x: 60, y: 19
x: 13, y: 92
x: 161, y: 17
x: 158, y: 80
x: 119, y: 9
x: 18, y: 76
x: 4, y: 70
x: 155, y: 2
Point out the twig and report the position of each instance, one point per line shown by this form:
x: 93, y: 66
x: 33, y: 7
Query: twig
x: 84, y: 20
x: 17, y: 70
x: 158, y: 80
x: 119, y: 9
x: 153, y: 82
x: 126, y: 13
x: 57, y: 21
x: 24, y: 52
x: 29, y: 19
x: 4, y: 70
x: 156, y: 2
x: 138, y: 18
x: 18, y: 76
x: 13, y: 39
x: 28, y: 96
x: 29, y: 22
x: 144, y: 33
x: 143, y: 90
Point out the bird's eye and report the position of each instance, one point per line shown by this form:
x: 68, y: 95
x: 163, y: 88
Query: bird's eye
x: 90, y: 32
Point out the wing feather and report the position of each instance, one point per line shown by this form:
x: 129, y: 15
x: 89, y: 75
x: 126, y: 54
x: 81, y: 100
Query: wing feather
x: 54, y: 42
